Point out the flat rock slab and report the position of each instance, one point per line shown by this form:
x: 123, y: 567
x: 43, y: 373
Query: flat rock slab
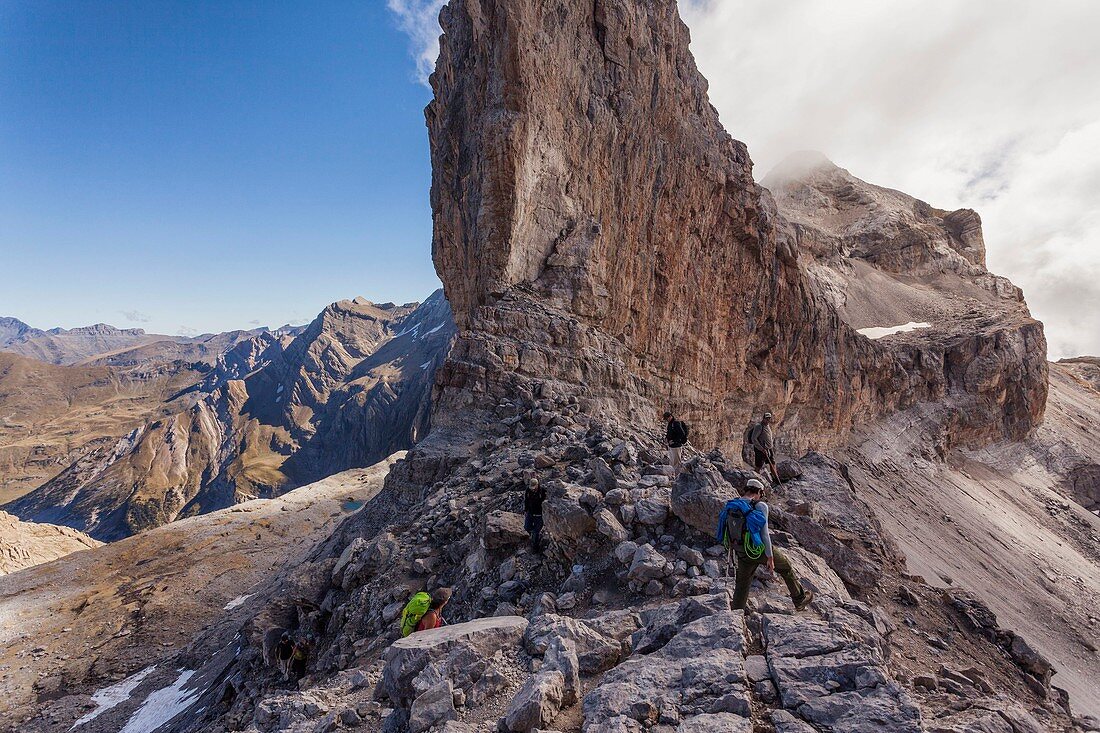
x: 831, y: 672
x: 699, y: 672
x: 460, y: 652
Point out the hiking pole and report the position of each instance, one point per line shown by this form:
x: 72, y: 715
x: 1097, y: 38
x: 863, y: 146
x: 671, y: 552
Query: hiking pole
x: 775, y: 470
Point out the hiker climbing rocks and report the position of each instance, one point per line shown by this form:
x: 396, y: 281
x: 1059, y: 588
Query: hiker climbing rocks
x: 424, y: 612
x: 298, y: 658
x: 284, y: 650
x: 762, y: 440
x: 676, y: 436
x: 743, y: 528
x: 533, y: 497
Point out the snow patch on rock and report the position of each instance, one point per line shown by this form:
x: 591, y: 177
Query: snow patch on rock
x: 163, y: 705
x: 878, y: 332
x: 114, y: 695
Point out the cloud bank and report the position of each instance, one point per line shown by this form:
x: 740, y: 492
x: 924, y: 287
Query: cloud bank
x: 988, y: 105
x: 419, y: 19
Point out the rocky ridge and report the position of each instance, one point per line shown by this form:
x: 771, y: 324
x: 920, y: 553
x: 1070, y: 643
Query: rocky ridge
x: 24, y: 544
x: 585, y: 190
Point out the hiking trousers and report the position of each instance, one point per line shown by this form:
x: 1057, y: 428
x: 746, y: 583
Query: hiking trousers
x: 746, y: 569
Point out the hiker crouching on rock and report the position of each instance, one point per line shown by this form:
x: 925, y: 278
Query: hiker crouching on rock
x: 298, y: 659
x: 676, y: 437
x: 743, y: 528
x: 433, y: 619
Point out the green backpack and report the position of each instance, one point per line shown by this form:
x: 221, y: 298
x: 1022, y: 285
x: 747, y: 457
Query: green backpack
x: 415, y: 609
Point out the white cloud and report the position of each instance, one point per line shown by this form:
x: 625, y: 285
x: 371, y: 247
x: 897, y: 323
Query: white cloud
x: 135, y: 316
x: 419, y: 19
x: 187, y: 331
x: 989, y: 105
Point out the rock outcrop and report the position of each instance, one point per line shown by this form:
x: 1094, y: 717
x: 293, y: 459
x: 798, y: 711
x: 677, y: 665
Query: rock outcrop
x: 600, y: 234
x: 25, y: 544
x: 350, y: 389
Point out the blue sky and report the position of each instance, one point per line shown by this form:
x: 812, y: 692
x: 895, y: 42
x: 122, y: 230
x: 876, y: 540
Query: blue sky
x: 206, y: 165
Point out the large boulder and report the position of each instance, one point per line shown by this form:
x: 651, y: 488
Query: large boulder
x: 433, y: 707
x: 537, y: 703
x: 566, y: 521
x: 648, y: 564
x: 652, y: 510
x: 460, y: 653
x: 610, y: 527
x: 700, y: 671
x: 598, y: 642
x: 832, y: 672
x: 698, y: 496
x: 503, y: 529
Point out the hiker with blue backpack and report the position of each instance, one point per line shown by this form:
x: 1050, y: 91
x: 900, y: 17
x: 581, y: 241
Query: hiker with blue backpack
x: 743, y: 529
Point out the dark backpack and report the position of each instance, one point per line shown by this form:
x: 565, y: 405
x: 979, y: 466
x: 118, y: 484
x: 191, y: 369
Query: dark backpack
x: 679, y: 431
x: 748, y: 451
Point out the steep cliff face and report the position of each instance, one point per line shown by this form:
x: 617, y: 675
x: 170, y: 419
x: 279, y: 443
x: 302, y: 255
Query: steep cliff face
x: 600, y: 234
x: 898, y: 269
x: 350, y: 389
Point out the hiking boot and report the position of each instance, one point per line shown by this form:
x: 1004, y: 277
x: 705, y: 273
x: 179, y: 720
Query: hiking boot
x: 801, y: 603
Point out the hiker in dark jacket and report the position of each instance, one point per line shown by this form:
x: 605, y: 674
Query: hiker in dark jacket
x: 533, y: 497
x: 763, y: 443
x: 284, y: 651
x: 676, y: 437
x: 775, y: 560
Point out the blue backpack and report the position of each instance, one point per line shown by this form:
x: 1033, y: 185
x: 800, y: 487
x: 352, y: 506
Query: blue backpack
x: 752, y: 520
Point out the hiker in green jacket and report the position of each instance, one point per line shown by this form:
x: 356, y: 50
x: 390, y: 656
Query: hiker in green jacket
x: 748, y: 560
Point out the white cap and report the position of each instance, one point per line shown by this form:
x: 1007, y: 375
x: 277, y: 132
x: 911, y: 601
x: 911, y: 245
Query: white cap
x: 754, y: 483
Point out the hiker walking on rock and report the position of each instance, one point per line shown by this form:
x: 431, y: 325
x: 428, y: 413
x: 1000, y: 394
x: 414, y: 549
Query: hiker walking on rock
x: 533, y: 497
x: 743, y: 528
x: 298, y: 659
x: 676, y: 437
x: 763, y: 443
x: 284, y: 651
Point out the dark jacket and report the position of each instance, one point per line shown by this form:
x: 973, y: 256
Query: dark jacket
x: 532, y: 501
x: 677, y: 433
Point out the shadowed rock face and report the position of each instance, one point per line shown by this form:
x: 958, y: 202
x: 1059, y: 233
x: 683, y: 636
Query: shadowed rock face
x: 599, y: 234
x: 350, y: 389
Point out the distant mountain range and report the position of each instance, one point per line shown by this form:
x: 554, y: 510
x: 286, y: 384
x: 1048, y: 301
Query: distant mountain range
x: 270, y: 411
x: 115, y: 346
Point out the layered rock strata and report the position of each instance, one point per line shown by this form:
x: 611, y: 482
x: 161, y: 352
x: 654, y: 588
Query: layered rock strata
x: 598, y: 232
